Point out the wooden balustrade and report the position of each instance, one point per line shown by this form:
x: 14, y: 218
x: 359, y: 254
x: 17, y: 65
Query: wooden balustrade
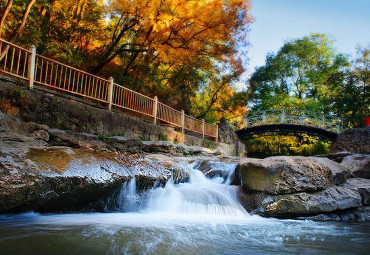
x: 34, y: 68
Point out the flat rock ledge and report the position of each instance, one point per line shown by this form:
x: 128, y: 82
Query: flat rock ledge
x: 45, y: 169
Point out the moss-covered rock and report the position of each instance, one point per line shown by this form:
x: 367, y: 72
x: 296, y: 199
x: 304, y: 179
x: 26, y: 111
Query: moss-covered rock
x: 284, y: 175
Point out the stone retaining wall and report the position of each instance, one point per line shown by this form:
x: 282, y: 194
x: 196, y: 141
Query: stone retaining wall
x: 355, y: 140
x: 58, y: 110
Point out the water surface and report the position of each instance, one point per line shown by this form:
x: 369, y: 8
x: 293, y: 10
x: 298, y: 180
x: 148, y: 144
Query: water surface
x: 199, y: 217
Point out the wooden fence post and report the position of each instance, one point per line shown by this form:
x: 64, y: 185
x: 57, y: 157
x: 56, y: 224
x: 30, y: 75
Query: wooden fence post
x: 216, y: 133
x: 31, y: 66
x: 110, y: 93
x: 203, y: 127
x: 183, y: 122
x: 155, y: 110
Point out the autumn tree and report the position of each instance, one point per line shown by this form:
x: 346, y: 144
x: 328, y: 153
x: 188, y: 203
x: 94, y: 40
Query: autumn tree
x: 220, y: 99
x: 167, y: 48
x: 18, y: 20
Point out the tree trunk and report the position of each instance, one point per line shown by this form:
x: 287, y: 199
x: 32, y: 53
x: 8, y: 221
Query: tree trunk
x: 21, y: 25
x: 5, y: 13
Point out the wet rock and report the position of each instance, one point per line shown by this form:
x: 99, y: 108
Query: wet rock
x: 42, y: 134
x: 329, y: 200
x: 169, y: 147
x: 362, y: 186
x: 19, y: 185
x: 336, y: 156
x: 167, y: 161
x: 62, y: 138
x: 215, y: 168
x: 360, y: 214
x: 4, y: 127
x: 282, y: 175
x: 159, y: 147
x: 358, y: 164
x: 123, y: 144
x: 76, y: 140
x: 178, y: 174
x: 210, y: 168
x: 37, y: 176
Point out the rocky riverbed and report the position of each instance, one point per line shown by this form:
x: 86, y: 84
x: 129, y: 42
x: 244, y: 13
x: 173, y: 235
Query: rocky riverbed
x: 49, y: 170
x: 307, y: 187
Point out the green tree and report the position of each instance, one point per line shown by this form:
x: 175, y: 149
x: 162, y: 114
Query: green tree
x: 351, y: 90
x: 298, y: 76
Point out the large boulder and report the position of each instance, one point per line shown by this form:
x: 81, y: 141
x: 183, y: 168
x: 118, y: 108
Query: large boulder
x: 284, y: 175
x: 36, y: 175
x: 292, y: 205
x: 329, y: 202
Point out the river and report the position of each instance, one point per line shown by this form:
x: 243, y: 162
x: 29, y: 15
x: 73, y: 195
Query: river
x: 202, y: 216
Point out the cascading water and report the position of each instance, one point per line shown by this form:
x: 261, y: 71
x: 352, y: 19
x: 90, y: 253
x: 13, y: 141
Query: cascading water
x: 128, y: 198
x: 200, y: 196
x: 202, y: 216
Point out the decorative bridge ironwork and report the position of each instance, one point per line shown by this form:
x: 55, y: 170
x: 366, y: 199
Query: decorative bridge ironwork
x: 292, y: 121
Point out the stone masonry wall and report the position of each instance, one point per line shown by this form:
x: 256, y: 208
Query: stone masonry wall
x: 59, y: 110
x: 355, y: 140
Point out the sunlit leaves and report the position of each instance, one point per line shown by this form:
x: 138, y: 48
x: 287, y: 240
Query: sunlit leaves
x: 168, y: 48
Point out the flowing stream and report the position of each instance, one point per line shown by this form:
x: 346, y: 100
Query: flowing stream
x: 202, y: 216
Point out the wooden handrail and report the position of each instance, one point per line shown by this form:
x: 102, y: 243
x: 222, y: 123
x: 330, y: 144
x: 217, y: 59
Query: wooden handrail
x: 35, y: 68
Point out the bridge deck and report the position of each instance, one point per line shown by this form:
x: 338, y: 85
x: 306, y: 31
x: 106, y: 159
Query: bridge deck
x: 248, y: 132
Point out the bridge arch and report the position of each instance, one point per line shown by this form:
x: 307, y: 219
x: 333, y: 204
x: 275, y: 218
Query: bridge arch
x: 290, y: 122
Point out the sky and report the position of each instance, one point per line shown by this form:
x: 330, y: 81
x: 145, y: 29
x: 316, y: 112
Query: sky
x: 276, y: 21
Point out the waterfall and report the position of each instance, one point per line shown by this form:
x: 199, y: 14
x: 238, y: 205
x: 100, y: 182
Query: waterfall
x: 128, y: 199
x: 200, y: 196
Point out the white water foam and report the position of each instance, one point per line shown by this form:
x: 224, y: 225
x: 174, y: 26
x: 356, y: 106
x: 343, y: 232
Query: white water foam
x: 199, y: 196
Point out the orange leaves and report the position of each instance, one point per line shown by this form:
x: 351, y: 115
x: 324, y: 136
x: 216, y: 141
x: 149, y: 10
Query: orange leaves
x: 174, y: 28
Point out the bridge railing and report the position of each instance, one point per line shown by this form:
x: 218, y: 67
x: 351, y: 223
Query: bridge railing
x: 295, y: 117
x: 37, y: 69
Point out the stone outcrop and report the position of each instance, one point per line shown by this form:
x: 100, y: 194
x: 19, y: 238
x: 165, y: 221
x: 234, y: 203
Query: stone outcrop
x: 299, y: 187
x: 303, y: 203
x: 226, y: 135
x: 282, y: 175
x: 49, y: 169
x: 356, y: 140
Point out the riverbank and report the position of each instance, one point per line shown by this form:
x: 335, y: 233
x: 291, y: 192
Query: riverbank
x: 52, y: 170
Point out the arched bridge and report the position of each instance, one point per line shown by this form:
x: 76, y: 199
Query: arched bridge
x: 290, y: 122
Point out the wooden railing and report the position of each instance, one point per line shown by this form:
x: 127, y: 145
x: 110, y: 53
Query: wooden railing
x: 37, y: 69
x: 59, y: 76
x: 14, y: 60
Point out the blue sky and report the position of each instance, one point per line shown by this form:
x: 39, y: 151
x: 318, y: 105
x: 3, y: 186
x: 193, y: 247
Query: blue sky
x: 347, y: 21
